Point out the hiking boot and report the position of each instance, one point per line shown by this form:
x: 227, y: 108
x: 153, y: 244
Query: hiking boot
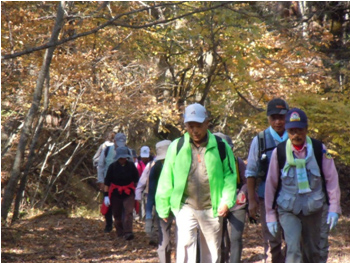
x: 108, y: 229
x: 129, y: 236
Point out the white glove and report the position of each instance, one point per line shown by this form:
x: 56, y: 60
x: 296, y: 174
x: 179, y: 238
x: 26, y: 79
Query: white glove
x: 106, y: 201
x: 273, y: 228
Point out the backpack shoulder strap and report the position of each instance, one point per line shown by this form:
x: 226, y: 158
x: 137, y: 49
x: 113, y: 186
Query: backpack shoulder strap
x: 318, y: 152
x: 262, y: 143
x: 281, y: 158
x: 238, y: 173
x: 221, y: 147
x: 180, y: 143
x: 222, y: 151
x: 281, y: 154
x: 107, y: 150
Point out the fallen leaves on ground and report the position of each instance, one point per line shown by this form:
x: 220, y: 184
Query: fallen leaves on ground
x: 60, y: 238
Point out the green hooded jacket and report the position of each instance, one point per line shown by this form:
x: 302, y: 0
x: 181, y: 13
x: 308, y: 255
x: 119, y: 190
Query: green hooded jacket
x: 222, y: 176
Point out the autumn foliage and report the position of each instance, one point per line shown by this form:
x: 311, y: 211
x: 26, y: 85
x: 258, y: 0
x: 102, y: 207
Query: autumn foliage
x: 133, y: 66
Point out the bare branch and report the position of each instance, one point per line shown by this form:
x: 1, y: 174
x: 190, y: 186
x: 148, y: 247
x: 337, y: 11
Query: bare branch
x: 112, y: 22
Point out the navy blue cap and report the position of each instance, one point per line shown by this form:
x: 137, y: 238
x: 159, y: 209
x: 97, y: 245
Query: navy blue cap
x: 296, y: 118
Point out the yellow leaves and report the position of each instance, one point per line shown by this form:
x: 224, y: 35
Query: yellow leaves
x: 332, y: 152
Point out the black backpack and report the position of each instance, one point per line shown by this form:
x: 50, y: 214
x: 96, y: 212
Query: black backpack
x: 264, y: 163
x: 281, y: 156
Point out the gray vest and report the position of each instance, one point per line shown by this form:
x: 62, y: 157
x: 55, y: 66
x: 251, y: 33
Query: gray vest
x: 289, y: 198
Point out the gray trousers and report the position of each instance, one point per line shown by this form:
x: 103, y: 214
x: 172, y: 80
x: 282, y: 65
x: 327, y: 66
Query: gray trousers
x: 235, y: 229
x: 324, y: 245
x: 274, y: 244
x: 302, y: 235
x: 164, y: 236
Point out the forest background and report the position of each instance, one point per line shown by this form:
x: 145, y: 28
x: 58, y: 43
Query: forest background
x: 73, y: 71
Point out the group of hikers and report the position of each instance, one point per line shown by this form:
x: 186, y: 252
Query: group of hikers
x: 196, y: 182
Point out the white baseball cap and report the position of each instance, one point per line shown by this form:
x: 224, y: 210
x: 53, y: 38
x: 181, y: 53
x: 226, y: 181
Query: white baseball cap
x: 145, y: 151
x: 196, y: 113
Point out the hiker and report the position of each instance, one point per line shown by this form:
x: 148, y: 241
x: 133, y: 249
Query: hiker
x: 109, y: 142
x: 256, y: 171
x: 301, y: 178
x: 145, y: 156
x: 198, y: 185
x: 120, y: 181
x: 107, y: 156
x: 235, y: 221
x: 141, y: 191
x: 164, y: 233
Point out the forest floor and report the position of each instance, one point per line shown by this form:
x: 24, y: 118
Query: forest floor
x: 57, y: 237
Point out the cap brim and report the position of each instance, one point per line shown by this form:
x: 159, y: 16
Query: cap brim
x: 199, y: 120
x: 144, y: 156
x: 277, y: 111
x: 292, y: 125
x: 123, y: 156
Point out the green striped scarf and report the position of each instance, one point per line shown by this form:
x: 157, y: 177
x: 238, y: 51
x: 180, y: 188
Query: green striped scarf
x: 300, y: 164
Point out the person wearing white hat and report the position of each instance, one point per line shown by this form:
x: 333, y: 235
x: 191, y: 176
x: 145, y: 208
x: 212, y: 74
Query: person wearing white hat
x: 198, y: 187
x: 164, y: 234
x: 145, y: 157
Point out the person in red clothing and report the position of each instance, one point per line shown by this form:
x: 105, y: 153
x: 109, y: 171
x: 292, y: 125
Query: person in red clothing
x: 121, y: 179
x: 145, y: 157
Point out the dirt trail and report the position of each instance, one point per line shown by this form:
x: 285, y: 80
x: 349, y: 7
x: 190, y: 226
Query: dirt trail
x: 59, y: 238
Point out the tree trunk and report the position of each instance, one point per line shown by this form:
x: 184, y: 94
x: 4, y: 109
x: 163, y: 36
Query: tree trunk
x: 16, y: 169
x: 31, y: 155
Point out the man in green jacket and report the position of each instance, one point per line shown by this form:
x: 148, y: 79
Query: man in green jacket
x: 198, y: 186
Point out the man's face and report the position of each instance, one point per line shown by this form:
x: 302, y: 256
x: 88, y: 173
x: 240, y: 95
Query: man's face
x: 277, y: 122
x: 297, y: 136
x: 197, y: 131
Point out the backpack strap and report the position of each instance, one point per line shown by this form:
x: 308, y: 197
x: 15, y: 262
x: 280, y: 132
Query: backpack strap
x: 238, y: 174
x: 281, y: 159
x: 221, y: 147
x: 281, y: 156
x: 262, y: 143
x: 318, y: 152
x: 220, y: 143
x: 180, y: 143
x: 107, y: 150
